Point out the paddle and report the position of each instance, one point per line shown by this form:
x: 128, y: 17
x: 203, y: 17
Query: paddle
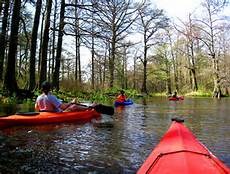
x: 109, y: 110
x: 177, y: 119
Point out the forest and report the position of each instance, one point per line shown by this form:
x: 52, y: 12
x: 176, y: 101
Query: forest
x: 132, y: 45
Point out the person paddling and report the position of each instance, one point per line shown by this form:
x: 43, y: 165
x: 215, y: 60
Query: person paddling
x: 50, y: 103
x: 175, y: 95
x: 122, y: 97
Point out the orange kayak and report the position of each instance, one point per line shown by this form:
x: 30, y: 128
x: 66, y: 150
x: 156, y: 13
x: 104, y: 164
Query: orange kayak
x: 179, y: 152
x: 47, y: 118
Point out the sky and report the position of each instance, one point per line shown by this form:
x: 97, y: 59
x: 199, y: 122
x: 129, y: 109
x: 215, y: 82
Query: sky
x: 178, y: 8
x: 181, y: 8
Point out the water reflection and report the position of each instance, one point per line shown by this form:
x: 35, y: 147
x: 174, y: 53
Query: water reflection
x: 122, y: 148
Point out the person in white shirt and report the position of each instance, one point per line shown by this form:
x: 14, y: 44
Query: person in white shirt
x: 50, y: 103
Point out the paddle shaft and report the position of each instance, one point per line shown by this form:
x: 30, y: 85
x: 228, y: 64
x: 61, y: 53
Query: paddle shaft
x: 109, y: 110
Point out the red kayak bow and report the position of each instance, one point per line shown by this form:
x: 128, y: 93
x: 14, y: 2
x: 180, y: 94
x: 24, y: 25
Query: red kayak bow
x: 179, y: 152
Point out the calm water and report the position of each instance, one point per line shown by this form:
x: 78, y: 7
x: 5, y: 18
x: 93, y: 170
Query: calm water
x: 119, y: 145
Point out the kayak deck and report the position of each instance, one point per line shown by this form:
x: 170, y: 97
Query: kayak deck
x: 127, y: 102
x: 47, y: 118
x: 179, y: 152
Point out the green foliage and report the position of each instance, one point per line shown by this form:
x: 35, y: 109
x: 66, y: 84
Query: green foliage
x: 115, y: 91
x: 28, y: 102
x: 158, y: 94
x: 200, y: 93
x: 98, y: 96
x: 8, y: 100
x: 94, y: 96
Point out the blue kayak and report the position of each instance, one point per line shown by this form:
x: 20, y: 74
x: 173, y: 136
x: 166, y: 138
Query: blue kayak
x: 127, y: 102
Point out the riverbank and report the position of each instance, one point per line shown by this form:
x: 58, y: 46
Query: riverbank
x: 104, y: 96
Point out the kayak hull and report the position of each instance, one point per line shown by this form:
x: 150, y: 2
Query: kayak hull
x: 127, y: 102
x: 48, y: 118
x: 179, y: 152
x: 176, y: 98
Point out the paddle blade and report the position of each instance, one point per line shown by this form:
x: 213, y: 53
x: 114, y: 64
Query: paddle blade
x: 109, y: 110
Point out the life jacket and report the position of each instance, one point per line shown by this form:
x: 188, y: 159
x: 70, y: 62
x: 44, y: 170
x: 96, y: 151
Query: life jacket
x: 121, y: 98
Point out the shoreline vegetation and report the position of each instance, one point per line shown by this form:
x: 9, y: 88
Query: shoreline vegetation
x: 105, y: 96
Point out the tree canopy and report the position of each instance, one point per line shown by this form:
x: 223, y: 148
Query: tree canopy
x: 132, y: 45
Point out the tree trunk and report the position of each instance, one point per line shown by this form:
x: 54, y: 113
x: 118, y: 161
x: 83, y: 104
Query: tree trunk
x: 123, y: 72
x: 175, y: 70
x: 79, y: 59
x: 195, y: 86
x: 1, y: 8
x: 168, y: 75
x: 45, y: 41
x: 192, y: 70
x: 111, y: 62
x: 54, y: 37
x: 189, y: 66
x: 107, y: 47
x: 144, y: 87
x: 40, y: 45
x: 49, y: 61
x: 92, y: 59
x: 134, y: 72
x: 77, y: 40
x: 126, y: 73
x: 93, y: 52
x: 59, y: 47
x: 3, y: 37
x: 124, y: 69
x: 217, y: 89
x: 10, y: 83
x: 34, y: 44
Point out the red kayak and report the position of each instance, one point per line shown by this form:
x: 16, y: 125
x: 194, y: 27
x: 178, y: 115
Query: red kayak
x: 179, y: 152
x: 36, y: 118
x: 176, y: 98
